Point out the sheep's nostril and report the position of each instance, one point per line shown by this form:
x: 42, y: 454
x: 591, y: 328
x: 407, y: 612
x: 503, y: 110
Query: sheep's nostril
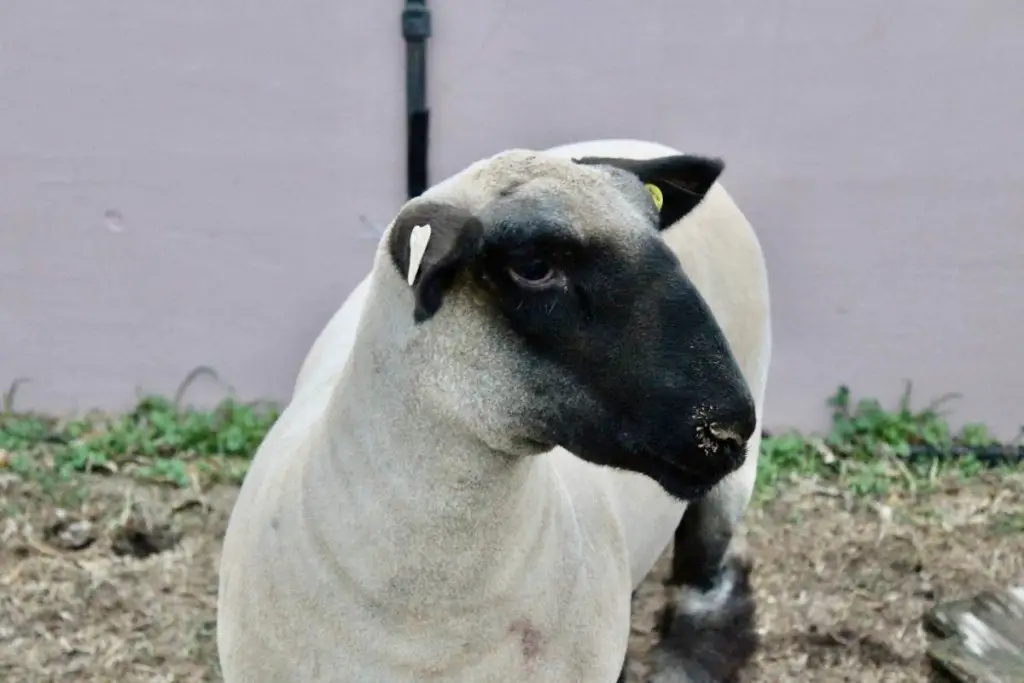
x: 727, y: 434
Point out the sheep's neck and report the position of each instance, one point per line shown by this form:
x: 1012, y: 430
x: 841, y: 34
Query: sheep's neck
x: 425, y: 517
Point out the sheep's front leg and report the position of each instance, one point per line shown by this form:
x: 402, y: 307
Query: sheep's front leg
x: 701, y: 544
x: 708, y: 627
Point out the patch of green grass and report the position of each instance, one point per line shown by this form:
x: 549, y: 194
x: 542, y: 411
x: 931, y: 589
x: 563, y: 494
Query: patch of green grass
x: 157, y: 441
x: 868, y: 450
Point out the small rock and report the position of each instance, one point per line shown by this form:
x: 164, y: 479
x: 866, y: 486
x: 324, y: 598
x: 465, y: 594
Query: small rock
x: 140, y: 536
x: 70, y: 534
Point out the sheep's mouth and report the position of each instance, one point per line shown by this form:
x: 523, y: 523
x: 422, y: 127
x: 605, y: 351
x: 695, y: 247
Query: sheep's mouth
x: 684, y: 482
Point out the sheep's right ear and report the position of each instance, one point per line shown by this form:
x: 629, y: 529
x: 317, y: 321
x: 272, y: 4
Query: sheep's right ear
x: 677, y: 183
x: 453, y: 239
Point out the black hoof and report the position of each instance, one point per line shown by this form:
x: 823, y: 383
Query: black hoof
x: 708, y: 636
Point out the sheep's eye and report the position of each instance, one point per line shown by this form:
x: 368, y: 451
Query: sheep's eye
x: 534, y: 274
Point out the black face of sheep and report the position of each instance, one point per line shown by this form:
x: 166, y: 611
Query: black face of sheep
x: 621, y: 359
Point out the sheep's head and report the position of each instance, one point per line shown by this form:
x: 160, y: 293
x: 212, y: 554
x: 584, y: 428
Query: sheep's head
x: 546, y: 311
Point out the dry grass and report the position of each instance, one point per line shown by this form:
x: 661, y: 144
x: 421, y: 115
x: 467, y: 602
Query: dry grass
x: 842, y: 583
x: 107, y: 579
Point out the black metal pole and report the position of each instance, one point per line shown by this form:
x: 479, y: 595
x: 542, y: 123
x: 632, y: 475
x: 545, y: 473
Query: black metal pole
x: 416, y: 31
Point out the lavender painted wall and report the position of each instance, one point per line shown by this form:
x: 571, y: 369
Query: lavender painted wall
x: 199, y: 182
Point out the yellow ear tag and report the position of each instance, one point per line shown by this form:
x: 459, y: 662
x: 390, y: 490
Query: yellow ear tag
x: 656, y: 195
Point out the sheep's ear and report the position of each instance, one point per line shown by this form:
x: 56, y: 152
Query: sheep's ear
x: 434, y: 242
x: 677, y: 183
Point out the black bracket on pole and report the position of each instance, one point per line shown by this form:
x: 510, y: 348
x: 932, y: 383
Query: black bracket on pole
x: 416, y: 31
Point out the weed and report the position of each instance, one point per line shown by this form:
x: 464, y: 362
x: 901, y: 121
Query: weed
x: 871, y: 450
x: 158, y: 441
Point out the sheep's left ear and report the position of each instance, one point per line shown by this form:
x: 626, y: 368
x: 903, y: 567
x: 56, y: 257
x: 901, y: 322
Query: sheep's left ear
x: 430, y: 243
x: 677, y: 183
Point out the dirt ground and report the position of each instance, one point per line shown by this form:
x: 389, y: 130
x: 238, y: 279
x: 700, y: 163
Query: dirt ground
x: 119, y: 583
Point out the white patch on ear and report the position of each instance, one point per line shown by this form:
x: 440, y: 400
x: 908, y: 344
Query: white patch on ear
x: 418, y: 239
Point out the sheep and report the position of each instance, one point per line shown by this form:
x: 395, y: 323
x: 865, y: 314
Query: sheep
x: 454, y: 491
x: 721, y: 255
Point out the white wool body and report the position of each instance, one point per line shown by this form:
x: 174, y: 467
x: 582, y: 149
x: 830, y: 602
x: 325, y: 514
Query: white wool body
x: 331, y: 540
